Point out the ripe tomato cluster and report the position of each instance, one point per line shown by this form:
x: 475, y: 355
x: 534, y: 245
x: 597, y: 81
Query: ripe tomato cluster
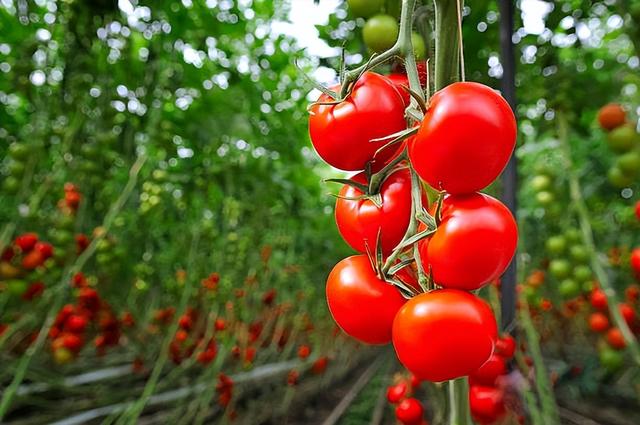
x: 408, y: 410
x: 463, y: 240
x: 624, y: 140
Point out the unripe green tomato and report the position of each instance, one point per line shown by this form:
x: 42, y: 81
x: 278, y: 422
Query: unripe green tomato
x: 582, y: 273
x: 16, y: 287
x: 587, y: 286
x: 103, y: 245
x: 610, y: 359
x: 618, y: 179
x: 419, y: 48
x: 556, y: 244
x: 629, y: 163
x: 560, y: 268
x: 159, y: 175
x: 11, y: 184
x: 569, y: 288
x: 103, y: 258
x: 541, y: 182
x: 16, y: 168
x: 545, y: 198
x: 61, y: 237
x: 380, y: 32
x: 364, y: 8
x: 572, y: 235
x: 579, y: 253
x: 18, y: 151
x: 65, y: 221
x: 623, y: 138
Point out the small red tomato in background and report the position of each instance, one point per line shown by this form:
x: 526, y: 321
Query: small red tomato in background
x: 506, y: 346
x: 360, y: 221
x: 611, y: 116
x: 488, y: 373
x: 638, y: 210
x: 486, y: 404
x: 304, y: 351
x: 628, y: 313
x: 45, y: 249
x: 409, y: 411
x: 632, y: 293
x: 598, y: 322
x: 615, y: 339
x: 319, y: 366
x: 598, y: 299
x: 444, y: 334
x: 635, y: 261
x: 342, y: 133
x: 465, y: 140
x: 26, y: 241
x: 395, y: 393
x: 32, y: 260
x: 361, y: 304
x: 474, y: 243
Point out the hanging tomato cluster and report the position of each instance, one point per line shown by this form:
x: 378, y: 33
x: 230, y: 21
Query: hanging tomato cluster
x: 418, y: 262
x: 408, y: 410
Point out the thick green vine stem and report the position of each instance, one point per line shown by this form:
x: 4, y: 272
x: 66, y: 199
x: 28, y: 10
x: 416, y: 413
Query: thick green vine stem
x: 575, y: 192
x: 447, y: 43
x: 459, y: 413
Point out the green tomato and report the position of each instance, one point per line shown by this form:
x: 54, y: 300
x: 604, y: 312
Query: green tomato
x: 364, y: 8
x: 629, y: 163
x: 560, y: 268
x: 610, y: 359
x: 16, y: 287
x: 569, y: 288
x: 11, y: 184
x: 618, y: 179
x: 18, y: 151
x: 530, y: 295
x: 541, y: 182
x: 556, y: 245
x: 545, y: 197
x: 380, y: 32
x: 419, y: 48
x: 573, y: 235
x: 16, y: 168
x: 579, y: 253
x: 623, y: 138
x: 582, y: 273
x: 587, y: 286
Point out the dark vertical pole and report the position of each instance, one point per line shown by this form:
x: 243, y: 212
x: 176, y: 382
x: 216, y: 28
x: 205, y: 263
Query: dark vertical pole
x: 510, y: 175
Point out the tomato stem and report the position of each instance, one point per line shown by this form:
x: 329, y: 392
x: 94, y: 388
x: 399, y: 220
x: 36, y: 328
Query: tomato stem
x: 575, y: 193
x: 447, y: 43
x: 459, y: 413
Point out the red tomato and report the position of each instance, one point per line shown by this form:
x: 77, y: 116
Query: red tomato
x: 342, y: 133
x: 474, y: 243
x: 638, y: 210
x: 632, y: 293
x: 444, y: 334
x: 32, y: 260
x: 396, y: 392
x: 45, y: 249
x: 409, y: 411
x: 359, y: 221
x: 76, y: 323
x: 598, y: 322
x: 401, y: 81
x: 304, y: 351
x: 635, y: 261
x: 486, y: 403
x: 360, y: 303
x: 506, y: 346
x: 465, y: 139
x: 615, y: 339
x: 488, y: 373
x: 26, y: 241
x: 598, y: 299
x: 627, y: 313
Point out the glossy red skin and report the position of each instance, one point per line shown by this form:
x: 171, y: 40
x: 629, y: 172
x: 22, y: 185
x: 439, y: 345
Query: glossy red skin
x: 615, y: 339
x: 474, y: 243
x: 359, y: 221
x: 465, y: 140
x: 444, y: 334
x: 506, y: 346
x: 598, y: 322
x: 401, y: 81
x: 360, y: 303
x: 396, y: 393
x: 635, y: 261
x: 409, y: 411
x: 488, y: 373
x: 598, y: 299
x: 341, y: 133
x: 486, y: 403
